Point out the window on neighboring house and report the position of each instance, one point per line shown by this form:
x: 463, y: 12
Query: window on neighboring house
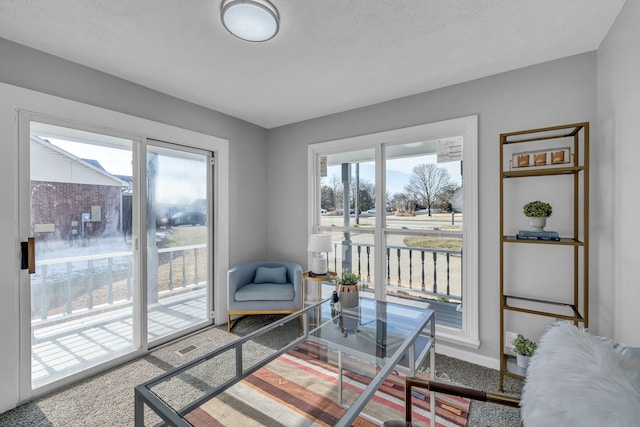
x: 394, y: 206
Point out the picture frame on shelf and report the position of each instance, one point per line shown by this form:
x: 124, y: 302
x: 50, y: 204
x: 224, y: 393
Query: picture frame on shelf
x: 549, y: 158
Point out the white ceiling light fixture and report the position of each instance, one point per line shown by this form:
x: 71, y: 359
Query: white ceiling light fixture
x: 251, y: 20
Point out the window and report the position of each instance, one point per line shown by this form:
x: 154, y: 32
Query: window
x: 394, y: 206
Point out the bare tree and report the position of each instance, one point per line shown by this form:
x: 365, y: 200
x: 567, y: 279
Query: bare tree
x: 327, y: 198
x: 443, y: 198
x: 426, y: 182
x: 399, y: 201
x: 366, y: 194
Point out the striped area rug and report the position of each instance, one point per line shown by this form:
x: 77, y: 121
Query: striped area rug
x: 300, y: 388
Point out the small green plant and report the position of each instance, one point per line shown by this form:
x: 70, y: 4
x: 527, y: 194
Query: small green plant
x: 524, y: 346
x: 443, y: 299
x: 349, y: 279
x: 537, y: 209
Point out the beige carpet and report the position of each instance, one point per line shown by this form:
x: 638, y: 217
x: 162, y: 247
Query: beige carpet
x: 107, y: 399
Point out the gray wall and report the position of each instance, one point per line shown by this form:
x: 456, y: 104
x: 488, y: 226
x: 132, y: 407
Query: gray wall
x: 553, y: 93
x: 32, y: 69
x: 617, y: 177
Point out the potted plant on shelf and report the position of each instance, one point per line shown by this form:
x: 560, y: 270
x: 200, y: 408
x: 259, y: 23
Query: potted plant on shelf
x: 348, y: 290
x: 524, y: 349
x: 537, y: 212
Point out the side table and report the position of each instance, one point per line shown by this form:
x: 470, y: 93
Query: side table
x: 307, y: 277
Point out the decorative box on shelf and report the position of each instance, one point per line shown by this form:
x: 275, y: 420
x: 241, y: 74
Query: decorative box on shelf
x: 537, y: 158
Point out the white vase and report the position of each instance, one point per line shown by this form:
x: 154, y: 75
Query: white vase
x: 522, y: 361
x: 537, y: 223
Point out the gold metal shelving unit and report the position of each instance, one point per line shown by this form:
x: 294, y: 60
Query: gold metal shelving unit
x: 576, y: 167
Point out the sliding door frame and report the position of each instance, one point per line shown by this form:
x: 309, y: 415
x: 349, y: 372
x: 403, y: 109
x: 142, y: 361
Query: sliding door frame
x: 143, y: 306
x: 93, y: 119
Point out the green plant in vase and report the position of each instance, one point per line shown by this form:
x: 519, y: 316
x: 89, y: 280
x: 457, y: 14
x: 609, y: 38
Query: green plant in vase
x: 537, y: 209
x: 537, y: 212
x: 348, y: 290
x: 524, y: 349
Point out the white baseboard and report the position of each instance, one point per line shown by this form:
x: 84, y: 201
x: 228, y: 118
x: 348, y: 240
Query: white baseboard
x: 467, y: 356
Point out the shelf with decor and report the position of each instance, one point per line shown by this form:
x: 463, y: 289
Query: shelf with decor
x: 563, y: 241
x: 543, y: 274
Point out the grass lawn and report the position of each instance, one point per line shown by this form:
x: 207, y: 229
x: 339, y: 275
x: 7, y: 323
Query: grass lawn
x: 183, y: 236
x: 433, y: 242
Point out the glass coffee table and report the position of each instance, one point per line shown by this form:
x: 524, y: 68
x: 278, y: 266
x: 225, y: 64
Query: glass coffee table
x: 319, y: 347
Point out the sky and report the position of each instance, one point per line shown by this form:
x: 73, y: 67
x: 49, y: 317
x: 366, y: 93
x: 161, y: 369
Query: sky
x: 113, y: 160
x: 179, y: 181
x: 399, y: 171
x: 182, y: 180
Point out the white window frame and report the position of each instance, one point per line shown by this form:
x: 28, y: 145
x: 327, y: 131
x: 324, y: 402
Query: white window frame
x: 468, y: 335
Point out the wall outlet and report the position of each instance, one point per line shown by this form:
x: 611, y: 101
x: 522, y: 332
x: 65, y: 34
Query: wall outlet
x: 508, y: 339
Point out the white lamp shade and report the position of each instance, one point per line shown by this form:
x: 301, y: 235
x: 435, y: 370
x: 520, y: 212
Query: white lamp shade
x: 251, y: 20
x: 320, y: 243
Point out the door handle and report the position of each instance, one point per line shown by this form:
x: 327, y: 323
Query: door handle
x: 28, y: 255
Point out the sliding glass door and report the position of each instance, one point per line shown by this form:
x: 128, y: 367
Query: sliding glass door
x: 122, y: 247
x: 80, y: 215
x: 178, y: 230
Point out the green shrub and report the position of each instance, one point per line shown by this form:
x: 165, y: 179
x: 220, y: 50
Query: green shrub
x: 349, y: 279
x: 524, y: 346
x: 537, y: 209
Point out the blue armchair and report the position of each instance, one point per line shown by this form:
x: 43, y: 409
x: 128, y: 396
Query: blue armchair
x: 263, y: 287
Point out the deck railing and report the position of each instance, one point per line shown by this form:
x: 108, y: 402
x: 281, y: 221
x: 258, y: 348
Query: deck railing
x: 409, y: 268
x: 70, y: 285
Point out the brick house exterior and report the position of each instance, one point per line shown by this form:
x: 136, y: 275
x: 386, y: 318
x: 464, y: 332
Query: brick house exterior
x: 64, y: 187
x: 63, y: 203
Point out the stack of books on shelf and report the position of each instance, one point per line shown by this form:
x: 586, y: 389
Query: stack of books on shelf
x: 537, y: 235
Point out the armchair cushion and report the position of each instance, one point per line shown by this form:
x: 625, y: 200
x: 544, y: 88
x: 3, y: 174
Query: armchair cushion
x: 271, y: 275
x: 265, y: 292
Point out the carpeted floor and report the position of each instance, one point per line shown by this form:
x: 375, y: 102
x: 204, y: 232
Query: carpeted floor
x: 107, y: 399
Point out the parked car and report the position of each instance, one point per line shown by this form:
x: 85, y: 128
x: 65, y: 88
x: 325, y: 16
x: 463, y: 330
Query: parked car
x: 162, y: 221
x: 188, y: 218
x: 323, y: 211
x: 371, y: 211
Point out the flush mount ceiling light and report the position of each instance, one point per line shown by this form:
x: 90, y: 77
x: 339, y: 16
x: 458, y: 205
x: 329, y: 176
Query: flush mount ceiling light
x: 251, y: 20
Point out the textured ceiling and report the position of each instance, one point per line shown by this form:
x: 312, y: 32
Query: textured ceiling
x: 329, y: 56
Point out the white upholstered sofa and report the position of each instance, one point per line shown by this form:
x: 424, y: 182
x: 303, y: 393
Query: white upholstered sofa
x: 574, y: 379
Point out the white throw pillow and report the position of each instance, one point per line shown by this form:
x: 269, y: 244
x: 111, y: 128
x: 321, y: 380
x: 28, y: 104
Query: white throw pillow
x: 578, y: 379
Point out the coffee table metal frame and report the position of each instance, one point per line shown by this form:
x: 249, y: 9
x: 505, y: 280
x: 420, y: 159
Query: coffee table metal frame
x: 403, y: 348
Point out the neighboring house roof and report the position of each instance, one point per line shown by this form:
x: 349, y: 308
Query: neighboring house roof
x: 126, y: 178
x: 95, y: 163
x: 53, y: 164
